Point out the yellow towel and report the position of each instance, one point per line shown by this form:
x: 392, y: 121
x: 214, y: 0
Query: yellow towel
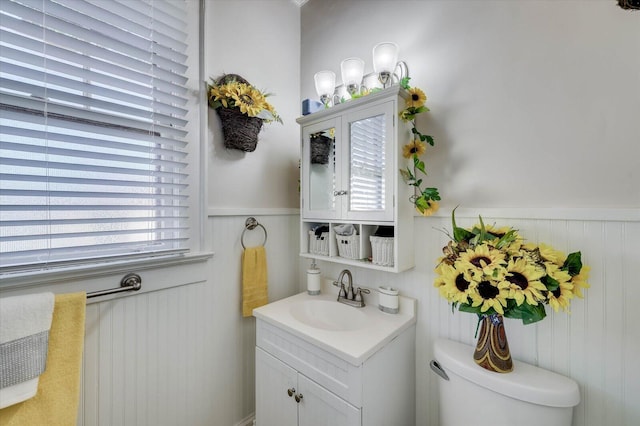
x: 56, y: 403
x: 254, y: 279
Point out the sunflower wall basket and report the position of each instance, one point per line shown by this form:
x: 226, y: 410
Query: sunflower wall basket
x: 240, y: 131
x: 242, y: 110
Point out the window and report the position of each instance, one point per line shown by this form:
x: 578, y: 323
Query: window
x: 93, y: 120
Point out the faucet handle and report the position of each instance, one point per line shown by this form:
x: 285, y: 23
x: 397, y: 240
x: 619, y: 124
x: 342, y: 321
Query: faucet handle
x: 359, y: 291
x: 342, y: 292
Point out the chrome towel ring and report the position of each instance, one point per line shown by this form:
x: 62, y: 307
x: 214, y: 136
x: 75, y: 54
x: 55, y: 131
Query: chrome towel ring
x: 251, y: 223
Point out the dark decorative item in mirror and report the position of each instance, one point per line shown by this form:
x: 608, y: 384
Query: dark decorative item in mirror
x: 320, y: 148
x: 629, y: 4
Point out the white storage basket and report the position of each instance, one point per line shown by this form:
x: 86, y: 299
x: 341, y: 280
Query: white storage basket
x: 348, y: 246
x: 382, y: 250
x: 319, y: 244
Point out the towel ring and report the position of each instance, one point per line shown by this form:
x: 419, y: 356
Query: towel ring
x: 251, y: 223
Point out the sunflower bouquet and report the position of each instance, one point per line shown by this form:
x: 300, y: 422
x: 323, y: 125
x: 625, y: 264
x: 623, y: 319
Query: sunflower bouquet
x: 487, y: 270
x: 424, y: 199
x: 231, y: 91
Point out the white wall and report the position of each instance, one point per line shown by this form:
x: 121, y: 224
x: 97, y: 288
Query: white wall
x: 533, y: 103
x: 534, y: 109
x: 259, y: 40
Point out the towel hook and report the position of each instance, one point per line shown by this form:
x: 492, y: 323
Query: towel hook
x: 251, y: 223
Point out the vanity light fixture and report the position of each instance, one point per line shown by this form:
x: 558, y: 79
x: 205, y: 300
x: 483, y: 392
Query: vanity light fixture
x: 325, y: 85
x: 385, y: 65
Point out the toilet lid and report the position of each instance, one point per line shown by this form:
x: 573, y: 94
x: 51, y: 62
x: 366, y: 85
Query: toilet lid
x: 526, y: 382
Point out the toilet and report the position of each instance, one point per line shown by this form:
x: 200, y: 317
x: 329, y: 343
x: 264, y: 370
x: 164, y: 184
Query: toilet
x: 527, y: 396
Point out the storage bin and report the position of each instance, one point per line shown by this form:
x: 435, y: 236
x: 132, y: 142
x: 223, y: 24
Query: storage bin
x: 319, y: 244
x: 381, y: 250
x: 348, y: 246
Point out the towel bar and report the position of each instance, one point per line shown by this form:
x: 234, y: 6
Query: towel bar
x: 130, y: 282
x: 250, y: 224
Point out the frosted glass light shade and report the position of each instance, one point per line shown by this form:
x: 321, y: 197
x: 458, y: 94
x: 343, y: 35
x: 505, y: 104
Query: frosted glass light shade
x: 325, y: 82
x: 352, y: 71
x: 385, y: 57
x: 325, y: 85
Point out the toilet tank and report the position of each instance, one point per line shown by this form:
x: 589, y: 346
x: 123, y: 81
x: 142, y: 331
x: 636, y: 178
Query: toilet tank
x: 527, y: 396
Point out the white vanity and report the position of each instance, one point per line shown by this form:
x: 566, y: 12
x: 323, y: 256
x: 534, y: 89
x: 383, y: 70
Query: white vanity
x: 320, y: 362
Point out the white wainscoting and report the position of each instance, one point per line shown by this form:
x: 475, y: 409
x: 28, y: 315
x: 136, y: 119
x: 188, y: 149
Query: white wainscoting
x: 597, y: 344
x: 185, y: 355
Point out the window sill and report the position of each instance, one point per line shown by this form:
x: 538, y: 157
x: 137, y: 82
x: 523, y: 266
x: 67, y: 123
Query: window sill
x: 99, y: 272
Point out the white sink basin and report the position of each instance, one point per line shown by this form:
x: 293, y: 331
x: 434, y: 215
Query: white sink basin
x: 350, y: 333
x: 328, y: 315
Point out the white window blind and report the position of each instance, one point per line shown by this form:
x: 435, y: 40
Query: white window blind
x: 367, y: 182
x: 93, y: 105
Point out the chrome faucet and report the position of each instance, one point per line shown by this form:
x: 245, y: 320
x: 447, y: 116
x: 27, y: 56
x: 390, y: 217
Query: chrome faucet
x: 348, y: 295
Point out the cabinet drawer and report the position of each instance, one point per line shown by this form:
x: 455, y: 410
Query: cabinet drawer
x: 326, y: 369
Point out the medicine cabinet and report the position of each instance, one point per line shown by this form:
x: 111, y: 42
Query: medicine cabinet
x: 355, y: 207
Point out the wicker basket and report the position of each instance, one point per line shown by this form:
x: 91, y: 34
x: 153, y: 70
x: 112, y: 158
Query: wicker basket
x: 381, y: 250
x: 320, y: 148
x: 319, y: 244
x: 348, y: 246
x: 240, y: 131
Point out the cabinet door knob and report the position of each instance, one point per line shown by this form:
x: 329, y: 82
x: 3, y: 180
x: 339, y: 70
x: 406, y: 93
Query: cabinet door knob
x: 291, y: 391
x: 298, y: 397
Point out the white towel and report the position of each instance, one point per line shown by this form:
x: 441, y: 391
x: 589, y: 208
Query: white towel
x: 24, y: 332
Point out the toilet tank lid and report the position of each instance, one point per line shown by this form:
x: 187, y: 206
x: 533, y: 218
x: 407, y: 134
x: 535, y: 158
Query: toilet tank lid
x: 526, y: 382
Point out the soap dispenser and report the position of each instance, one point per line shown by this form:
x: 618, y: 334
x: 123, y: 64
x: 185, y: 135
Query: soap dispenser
x: 313, y: 279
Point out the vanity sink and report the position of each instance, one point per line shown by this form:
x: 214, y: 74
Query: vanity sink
x: 349, y: 332
x: 328, y: 315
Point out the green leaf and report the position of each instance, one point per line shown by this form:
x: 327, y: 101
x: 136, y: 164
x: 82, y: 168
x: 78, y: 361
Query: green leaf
x: 429, y: 140
x: 406, y: 175
x: 464, y: 307
x: 573, y: 263
x: 404, y: 83
x: 459, y: 234
x: 506, y: 239
x: 431, y: 194
x: 551, y: 283
x: 527, y: 313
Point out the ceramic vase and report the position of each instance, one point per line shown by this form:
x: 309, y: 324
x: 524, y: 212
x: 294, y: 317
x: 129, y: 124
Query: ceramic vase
x: 492, y: 349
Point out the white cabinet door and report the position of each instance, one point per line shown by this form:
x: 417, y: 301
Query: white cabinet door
x: 319, y: 166
x: 274, y: 406
x: 319, y: 407
x: 368, y: 175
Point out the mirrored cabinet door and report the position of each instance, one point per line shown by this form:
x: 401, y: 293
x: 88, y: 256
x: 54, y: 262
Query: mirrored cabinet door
x: 319, y: 178
x: 370, y: 143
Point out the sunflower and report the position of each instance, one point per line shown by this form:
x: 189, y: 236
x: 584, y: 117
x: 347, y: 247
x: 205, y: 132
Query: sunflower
x: 561, y: 296
x: 580, y: 281
x: 416, y: 98
x: 249, y: 100
x: 454, y: 284
x: 483, y: 260
x: 523, y: 280
x: 490, y: 296
x: 220, y: 93
x: 549, y: 254
x: 432, y: 207
x: 415, y: 147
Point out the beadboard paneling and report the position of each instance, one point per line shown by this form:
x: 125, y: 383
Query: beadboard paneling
x: 185, y: 355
